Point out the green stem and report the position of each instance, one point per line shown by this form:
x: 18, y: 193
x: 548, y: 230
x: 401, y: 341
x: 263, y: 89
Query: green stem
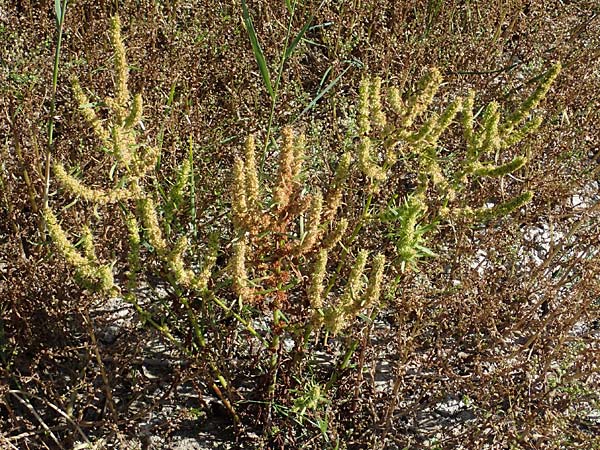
x: 276, y: 88
x: 240, y: 319
x: 60, y: 20
x: 130, y: 298
x: 345, y: 249
x: 344, y: 365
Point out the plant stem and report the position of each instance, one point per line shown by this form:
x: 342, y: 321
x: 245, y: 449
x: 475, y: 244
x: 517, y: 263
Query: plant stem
x: 274, y: 348
x: 276, y: 87
x: 193, y: 212
x: 239, y: 318
x: 60, y: 20
x: 345, y: 249
x: 213, y: 367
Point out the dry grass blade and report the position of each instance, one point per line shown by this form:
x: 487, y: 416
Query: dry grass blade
x: 32, y: 410
x: 381, y: 278
x: 8, y: 444
x: 55, y: 408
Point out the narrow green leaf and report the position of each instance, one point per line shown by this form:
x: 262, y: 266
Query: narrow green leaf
x: 258, y: 53
x: 193, y: 210
x: 57, y: 10
x: 324, y: 77
x: 161, y: 191
x: 288, y: 4
x: 426, y: 251
x: 111, y: 173
x: 297, y: 39
x: 60, y: 9
x: 327, y: 89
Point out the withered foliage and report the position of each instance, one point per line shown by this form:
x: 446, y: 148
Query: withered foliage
x: 352, y: 299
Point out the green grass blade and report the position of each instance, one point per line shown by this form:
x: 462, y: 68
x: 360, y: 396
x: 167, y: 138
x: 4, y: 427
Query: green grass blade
x: 288, y: 4
x: 327, y: 89
x: 57, y: 11
x: 297, y: 39
x: 193, y: 211
x: 61, y: 11
x: 300, y: 36
x: 258, y: 53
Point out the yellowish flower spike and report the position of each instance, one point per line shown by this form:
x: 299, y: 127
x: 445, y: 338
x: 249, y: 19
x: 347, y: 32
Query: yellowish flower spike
x: 355, y: 283
x: 299, y: 152
x: 121, y: 147
x: 392, y: 146
x: 407, y: 232
x: 420, y: 135
x: 87, y: 243
x: 145, y: 159
x: 89, y: 114
x: 94, y: 275
x: 333, y: 320
x: 176, y: 264
x: 365, y: 162
x: 431, y: 167
x: 187, y: 277
x: 241, y: 284
x: 251, y: 173
x: 373, y: 291
x: 336, y: 318
x: 135, y: 115
x: 285, y: 175
x: 134, y: 160
x: 341, y: 173
x: 375, y: 279
x: 336, y: 234
x: 378, y: 117
x: 502, y: 170
x: 532, y: 101
x: 490, y: 138
x: 313, y: 226
x: 334, y: 196
x: 133, y: 230
x: 419, y: 102
x: 518, y: 135
x: 62, y: 243
x: 121, y: 67
x: 239, y: 202
x: 444, y: 121
x: 150, y: 220
x: 502, y: 209
x: 177, y: 193
x: 98, y: 196
x: 201, y: 280
x: 395, y: 100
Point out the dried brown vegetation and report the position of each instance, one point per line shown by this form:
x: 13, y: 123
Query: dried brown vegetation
x: 485, y: 330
